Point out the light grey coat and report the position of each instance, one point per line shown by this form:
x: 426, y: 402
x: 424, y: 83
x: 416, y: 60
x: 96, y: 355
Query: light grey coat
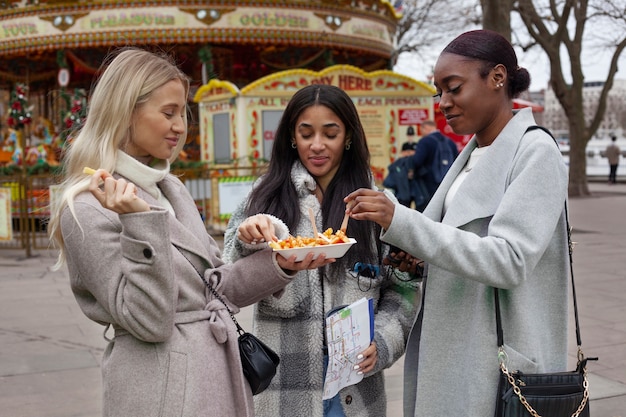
x: 504, y: 228
x: 294, y: 324
x: 175, y: 349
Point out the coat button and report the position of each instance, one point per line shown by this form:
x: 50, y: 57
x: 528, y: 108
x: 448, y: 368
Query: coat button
x: 147, y: 253
x: 348, y: 399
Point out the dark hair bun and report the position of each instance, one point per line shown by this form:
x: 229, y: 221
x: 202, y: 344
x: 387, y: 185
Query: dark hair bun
x: 519, y: 81
x: 493, y: 48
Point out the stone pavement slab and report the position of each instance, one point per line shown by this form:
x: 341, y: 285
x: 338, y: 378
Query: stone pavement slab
x: 49, y: 351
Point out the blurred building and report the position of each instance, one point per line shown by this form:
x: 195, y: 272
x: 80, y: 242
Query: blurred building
x: 614, y: 122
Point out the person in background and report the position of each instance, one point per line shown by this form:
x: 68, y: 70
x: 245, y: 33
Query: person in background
x: 612, y: 153
x: 497, y: 220
x: 136, y: 250
x: 320, y: 155
x: 408, y: 188
x: 408, y: 149
x: 433, y: 156
x: 410, y: 141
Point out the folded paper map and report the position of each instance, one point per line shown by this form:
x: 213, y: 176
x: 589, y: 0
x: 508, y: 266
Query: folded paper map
x: 349, y: 331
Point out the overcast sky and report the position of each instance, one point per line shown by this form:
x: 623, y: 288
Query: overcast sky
x: 595, y: 66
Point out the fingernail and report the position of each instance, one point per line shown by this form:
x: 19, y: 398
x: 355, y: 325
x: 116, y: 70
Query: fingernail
x: 360, y: 373
x: 253, y: 242
x: 356, y: 367
x: 360, y: 356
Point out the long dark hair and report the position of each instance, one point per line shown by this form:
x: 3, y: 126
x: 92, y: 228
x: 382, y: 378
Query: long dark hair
x: 493, y: 49
x: 276, y: 194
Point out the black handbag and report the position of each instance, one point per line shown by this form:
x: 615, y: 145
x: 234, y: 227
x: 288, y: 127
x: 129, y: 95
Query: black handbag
x: 258, y: 361
x: 557, y: 394
x: 561, y: 394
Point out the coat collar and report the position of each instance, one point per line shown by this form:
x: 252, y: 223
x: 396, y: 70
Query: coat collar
x: 480, y: 194
x: 187, y: 230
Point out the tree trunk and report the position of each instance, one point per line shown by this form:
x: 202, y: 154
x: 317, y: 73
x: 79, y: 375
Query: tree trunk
x: 578, y: 186
x: 497, y: 16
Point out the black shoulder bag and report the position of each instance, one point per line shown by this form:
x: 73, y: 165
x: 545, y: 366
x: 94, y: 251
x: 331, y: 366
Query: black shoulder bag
x: 558, y: 394
x: 259, y: 362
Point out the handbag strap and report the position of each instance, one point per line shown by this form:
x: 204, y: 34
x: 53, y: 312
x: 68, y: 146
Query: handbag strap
x: 500, y: 333
x: 570, y: 248
x: 214, y: 292
x: 582, y: 361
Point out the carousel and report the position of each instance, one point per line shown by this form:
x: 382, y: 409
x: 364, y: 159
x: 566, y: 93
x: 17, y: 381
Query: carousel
x: 50, y: 51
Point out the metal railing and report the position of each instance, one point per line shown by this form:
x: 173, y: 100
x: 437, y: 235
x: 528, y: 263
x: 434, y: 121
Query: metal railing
x: 31, y: 199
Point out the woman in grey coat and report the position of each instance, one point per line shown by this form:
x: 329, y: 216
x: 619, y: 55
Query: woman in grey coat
x: 320, y: 155
x: 137, y: 249
x: 497, y: 220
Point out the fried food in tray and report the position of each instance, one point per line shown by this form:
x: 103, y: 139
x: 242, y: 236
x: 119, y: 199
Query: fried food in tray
x: 326, y: 238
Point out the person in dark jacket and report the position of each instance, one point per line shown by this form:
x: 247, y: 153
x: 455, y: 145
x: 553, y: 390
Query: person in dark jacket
x: 408, y: 189
x: 431, y: 161
x: 410, y: 143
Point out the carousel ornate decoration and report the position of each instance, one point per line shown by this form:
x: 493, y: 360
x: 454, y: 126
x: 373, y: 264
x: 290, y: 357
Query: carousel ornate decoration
x: 54, y: 48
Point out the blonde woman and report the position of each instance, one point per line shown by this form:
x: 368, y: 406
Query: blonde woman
x: 135, y: 247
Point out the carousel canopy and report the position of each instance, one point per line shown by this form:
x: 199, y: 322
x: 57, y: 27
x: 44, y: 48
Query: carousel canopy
x: 39, y: 38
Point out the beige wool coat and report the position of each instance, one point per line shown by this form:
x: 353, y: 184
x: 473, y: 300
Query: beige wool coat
x: 174, y: 350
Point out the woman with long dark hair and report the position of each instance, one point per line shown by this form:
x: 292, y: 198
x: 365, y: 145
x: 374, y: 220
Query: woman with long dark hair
x: 319, y: 156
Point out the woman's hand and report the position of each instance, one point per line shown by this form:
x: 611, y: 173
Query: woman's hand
x: 404, y: 262
x: 256, y: 229
x: 119, y: 195
x: 371, y: 205
x: 289, y: 265
x: 259, y: 229
x: 370, y: 357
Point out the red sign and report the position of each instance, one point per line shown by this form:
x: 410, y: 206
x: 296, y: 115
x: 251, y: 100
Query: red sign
x: 412, y: 116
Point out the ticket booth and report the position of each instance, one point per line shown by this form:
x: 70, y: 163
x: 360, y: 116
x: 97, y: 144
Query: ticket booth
x: 237, y: 126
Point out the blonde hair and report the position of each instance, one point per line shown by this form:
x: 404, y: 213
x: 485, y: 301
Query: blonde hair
x: 130, y: 78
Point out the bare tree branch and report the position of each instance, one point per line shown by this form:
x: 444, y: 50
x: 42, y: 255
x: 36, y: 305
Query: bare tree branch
x: 561, y: 24
x: 425, y: 22
x: 557, y: 26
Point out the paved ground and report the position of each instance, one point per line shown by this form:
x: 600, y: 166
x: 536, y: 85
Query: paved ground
x: 50, y: 353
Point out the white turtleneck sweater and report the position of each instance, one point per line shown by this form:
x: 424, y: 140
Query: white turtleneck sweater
x: 144, y: 176
x: 471, y: 163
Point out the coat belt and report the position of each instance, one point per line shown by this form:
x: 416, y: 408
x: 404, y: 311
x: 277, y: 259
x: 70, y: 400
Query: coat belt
x: 214, y: 312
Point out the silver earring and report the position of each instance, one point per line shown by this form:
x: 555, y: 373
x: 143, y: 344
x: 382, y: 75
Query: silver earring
x: 348, y: 146
x: 293, y: 144
x: 500, y: 85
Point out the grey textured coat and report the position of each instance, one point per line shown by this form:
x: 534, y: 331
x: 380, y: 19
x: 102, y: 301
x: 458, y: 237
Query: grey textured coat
x: 175, y: 349
x: 504, y: 228
x: 293, y: 324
